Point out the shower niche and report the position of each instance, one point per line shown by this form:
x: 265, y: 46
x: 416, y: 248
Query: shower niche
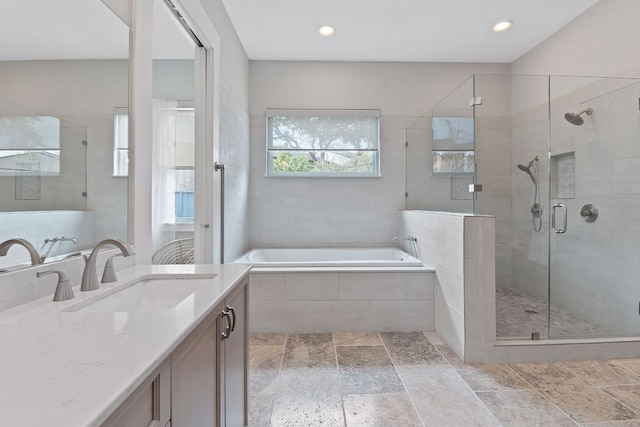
x: 563, y: 176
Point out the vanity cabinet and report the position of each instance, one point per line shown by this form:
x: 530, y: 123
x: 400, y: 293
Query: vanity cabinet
x: 149, y: 405
x: 234, y: 361
x: 203, y: 383
x: 194, y: 376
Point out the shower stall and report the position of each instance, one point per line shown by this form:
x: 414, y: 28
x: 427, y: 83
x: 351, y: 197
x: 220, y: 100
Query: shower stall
x: 556, y: 160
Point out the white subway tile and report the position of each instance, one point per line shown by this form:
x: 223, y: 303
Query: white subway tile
x: 311, y: 286
x: 356, y: 306
x: 338, y: 322
x: 371, y: 286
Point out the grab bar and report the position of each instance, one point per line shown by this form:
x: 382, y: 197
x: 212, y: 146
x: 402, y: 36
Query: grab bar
x: 221, y: 167
x: 553, y: 219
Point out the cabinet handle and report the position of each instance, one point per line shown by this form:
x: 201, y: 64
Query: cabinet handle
x: 227, y: 329
x: 233, y: 317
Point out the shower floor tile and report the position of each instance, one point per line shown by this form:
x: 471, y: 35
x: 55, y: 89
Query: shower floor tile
x: 519, y: 315
x: 316, y: 380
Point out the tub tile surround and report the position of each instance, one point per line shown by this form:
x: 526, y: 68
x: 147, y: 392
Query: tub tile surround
x: 461, y: 247
x: 340, y: 301
x: 360, y: 383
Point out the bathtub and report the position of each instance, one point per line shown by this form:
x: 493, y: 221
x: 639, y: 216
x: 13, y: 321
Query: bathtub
x: 323, y: 258
x: 339, y: 290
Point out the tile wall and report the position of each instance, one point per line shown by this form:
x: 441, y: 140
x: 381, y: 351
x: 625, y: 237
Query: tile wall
x: 593, y: 265
x: 342, y: 301
x: 461, y: 249
x: 234, y: 152
x: 335, y: 212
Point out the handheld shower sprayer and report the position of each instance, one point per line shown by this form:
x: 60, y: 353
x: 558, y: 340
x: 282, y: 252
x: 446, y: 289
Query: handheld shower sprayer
x: 536, y: 209
x: 527, y: 168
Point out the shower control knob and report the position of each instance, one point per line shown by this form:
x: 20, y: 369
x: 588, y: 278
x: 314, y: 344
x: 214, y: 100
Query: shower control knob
x: 536, y: 210
x: 589, y: 213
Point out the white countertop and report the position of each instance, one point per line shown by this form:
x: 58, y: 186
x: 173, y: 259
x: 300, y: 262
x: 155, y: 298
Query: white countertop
x: 61, y: 368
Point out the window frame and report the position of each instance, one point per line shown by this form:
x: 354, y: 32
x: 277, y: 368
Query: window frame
x: 116, y: 172
x: 329, y: 113
x: 449, y: 146
x: 54, y: 150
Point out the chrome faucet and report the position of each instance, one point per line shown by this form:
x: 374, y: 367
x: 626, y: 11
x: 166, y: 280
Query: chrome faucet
x: 61, y: 239
x: 33, y: 253
x: 89, y: 276
x: 408, y: 238
x: 63, y: 288
x: 413, y: 243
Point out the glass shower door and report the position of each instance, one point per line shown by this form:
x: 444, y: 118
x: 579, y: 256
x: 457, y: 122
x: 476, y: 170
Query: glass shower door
x: 511, y: 131
x: 594, y: 200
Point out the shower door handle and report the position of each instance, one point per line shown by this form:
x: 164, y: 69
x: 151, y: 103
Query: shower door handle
x: 564, y: 219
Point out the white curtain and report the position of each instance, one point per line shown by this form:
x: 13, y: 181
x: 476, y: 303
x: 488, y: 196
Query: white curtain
x: 163, y: 171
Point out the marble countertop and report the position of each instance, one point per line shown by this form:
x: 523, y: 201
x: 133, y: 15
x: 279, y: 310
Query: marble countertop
x: 66, y: 368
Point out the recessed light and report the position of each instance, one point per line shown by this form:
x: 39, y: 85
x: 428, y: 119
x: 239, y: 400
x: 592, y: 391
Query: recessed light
x: 502, y: 26
x: 326, y: 30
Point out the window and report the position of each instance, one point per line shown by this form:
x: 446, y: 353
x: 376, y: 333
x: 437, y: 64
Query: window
x: 29, y: 145
x: 453, y: 145
x: 323, y: 143
x: 121, y: 142
x: 182, y: 171
x: 185, y: 182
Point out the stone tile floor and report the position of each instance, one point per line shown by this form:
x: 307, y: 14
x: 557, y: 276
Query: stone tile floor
x: 391, y: 379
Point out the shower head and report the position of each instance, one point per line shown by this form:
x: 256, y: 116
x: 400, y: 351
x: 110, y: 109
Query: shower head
x: 575, y: 119
x: 527, y: 168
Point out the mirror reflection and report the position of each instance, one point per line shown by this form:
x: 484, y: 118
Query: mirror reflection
x: 173, y: 120
x: 63, y: 87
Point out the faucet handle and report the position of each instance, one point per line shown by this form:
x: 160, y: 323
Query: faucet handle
x: 63, y: 288
x: 109, y: 273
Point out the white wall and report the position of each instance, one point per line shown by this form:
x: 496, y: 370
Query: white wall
x: 307, y: 212
x: 603, y: 41
x: 234, y: 63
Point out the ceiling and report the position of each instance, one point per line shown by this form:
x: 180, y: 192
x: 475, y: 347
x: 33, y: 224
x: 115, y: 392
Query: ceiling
x: 68, y: 29
x: 52, y: 30
x: 398, y: 30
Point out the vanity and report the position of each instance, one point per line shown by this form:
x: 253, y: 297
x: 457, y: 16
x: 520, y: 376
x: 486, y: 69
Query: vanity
x: 163, y: 346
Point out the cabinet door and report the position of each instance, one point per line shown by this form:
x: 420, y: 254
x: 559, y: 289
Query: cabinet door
x: 148, y: 406
x: 235, y: 367
x: 193, y: 377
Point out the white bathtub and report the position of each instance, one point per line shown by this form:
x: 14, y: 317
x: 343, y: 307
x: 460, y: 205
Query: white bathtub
x: 324, y: 258
x: 339, y: 290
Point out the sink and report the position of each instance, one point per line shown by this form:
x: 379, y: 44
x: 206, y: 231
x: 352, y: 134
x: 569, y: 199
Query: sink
x: 151, y: 294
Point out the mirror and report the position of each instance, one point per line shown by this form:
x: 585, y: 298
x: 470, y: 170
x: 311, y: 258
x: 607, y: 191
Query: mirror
x: 173, y: 124
x: 64, y: 84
